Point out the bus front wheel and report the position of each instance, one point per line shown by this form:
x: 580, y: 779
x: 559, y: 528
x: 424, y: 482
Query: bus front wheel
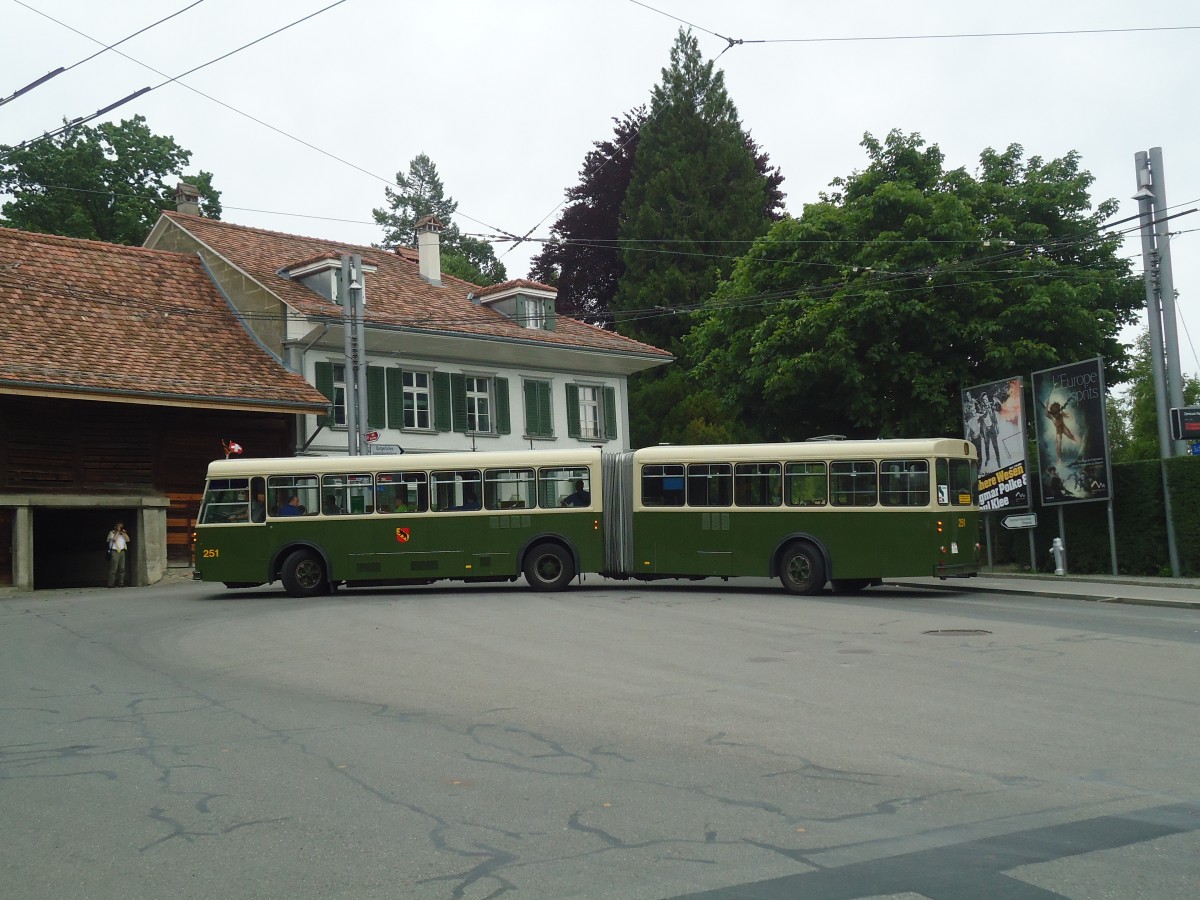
x: 303, y: 574
x: 548, y: 567
x: 801, y: 569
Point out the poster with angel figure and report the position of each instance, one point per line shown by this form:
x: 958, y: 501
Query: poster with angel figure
x: 1072, y: 433
x: 994, y: 421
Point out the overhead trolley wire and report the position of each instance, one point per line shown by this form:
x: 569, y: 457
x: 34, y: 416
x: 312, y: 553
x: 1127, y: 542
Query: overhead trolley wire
x: 100, y: 112
x: 61, y: 69
x: 234, y: 109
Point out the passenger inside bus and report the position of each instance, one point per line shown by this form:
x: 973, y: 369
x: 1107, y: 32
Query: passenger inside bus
x: 291, y: 508
x: 580, y: 497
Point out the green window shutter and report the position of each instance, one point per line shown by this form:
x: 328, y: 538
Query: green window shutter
x: 395, y: 398
x: 442, y: 419
x: 538, y: 422
x: 376, y: 397
x: 551, y: 315
x: 503, y: 419
x: 325, y: 386
x: 533, y: 421
x: 458, y: 401
x: 522, y: 312
x: 610, y: 413
x: 545, y: 401
x: 572, y: 410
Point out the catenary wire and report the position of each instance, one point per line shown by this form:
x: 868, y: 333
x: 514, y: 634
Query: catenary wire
x: 61, y: 69
x: 244, y: 114
x: 84, y: 119
x: 913, y: 37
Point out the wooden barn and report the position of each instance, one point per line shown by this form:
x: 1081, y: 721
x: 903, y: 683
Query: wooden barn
x: 122, y: 371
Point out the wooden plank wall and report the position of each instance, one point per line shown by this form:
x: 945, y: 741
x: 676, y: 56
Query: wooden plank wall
x: 82, y: 447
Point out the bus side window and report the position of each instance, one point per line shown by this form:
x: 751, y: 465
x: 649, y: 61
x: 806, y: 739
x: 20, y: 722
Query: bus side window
x: 757, y: 484
x: 943, y: 482
x: 853, y: 483
x: 455, y: 490
x: 662, y: 485
x: 805, y: 484
x: 508, y: 489
x: 710, y: 484
x: 258, y: 499
x: 904, y: 482
x: 401, y: 492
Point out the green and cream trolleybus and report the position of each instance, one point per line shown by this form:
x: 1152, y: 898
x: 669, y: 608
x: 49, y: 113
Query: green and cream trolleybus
x: 846, y: 513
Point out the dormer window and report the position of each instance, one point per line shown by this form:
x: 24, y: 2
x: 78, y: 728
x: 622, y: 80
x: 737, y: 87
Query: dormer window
x: 536, y: 312
x: 528, y: 303
x: 324, y: 276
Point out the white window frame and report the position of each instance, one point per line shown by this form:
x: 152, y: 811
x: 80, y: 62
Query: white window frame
x: 537, y: 313
x: 414, y: 391
x: 591, y: 412
x: 339, y: 395
x: 474, y: 399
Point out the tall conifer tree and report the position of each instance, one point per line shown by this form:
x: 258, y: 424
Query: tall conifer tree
x: 695, y: 192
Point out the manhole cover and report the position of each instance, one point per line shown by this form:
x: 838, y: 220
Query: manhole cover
x: 957, y: 631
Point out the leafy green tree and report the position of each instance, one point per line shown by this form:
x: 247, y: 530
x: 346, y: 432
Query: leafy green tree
x: 695, y: 192
x: 1133, y: 418
x: 105, y: 183
x: 421, y: 194
x: 583, y: 259
x: 866, y: 315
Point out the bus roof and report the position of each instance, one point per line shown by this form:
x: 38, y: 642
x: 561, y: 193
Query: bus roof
x: 491, y: 459
x: 896, y: 447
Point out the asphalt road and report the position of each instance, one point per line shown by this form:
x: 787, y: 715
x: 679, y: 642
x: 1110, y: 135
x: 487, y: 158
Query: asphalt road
x: 616, y: 740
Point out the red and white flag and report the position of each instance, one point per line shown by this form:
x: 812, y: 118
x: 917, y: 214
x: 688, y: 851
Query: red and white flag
x: 232, y: 448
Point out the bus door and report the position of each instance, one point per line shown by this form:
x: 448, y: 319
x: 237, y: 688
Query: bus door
x: 958, y: 517
x: 710, y: 501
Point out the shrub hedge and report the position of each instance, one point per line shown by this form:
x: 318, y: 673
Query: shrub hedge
x: 1139, y: 520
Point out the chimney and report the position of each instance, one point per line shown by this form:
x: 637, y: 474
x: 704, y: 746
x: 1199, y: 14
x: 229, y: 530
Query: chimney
x: 429, y: 253
x: 187, y: 199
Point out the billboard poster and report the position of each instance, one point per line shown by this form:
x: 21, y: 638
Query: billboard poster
x: 1072, y: 432
x: 994, y: 421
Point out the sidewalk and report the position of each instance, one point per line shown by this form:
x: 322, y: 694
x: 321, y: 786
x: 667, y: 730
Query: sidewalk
x: 1182, y: 593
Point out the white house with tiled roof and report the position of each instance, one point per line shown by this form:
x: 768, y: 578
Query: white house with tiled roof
x: 450, y: 365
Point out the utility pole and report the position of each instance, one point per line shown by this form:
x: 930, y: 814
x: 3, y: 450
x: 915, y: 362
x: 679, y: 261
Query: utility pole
x: 351, y: 350
x: 1160, y: 314
x: 358, y: 294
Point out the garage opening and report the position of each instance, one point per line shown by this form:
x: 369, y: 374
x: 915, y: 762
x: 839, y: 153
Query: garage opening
x: 69, y: 546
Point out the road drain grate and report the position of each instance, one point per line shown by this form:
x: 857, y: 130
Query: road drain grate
x: 957, y: 631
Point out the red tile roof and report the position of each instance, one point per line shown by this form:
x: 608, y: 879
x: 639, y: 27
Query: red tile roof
x: 397, y: 295
x: 126, y: 324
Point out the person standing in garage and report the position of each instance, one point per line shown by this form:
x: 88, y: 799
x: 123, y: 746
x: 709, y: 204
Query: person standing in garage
x: 118, y: 545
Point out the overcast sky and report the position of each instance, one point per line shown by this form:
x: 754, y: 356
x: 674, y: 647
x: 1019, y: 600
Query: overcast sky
x: 507, y: 97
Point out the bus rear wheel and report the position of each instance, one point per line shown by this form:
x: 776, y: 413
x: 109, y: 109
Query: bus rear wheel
x: 801, y: 569
x: 303, y: 574
x: 548, y: 567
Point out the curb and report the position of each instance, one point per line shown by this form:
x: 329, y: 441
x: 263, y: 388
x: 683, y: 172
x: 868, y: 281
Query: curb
x: 1044, y: 589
